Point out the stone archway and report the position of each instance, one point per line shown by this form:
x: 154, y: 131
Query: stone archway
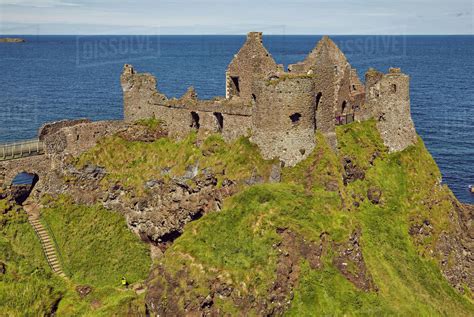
x: 22, y: 186
x: 36, y: 165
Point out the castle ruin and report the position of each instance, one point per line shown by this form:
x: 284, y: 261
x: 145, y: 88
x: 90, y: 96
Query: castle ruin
x: 280, y: 110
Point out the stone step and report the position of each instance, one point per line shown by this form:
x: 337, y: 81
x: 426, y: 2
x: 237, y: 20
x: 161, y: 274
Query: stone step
x: 49, y: 251
x: 54, y: 262
x: 51, y: 254
x: 49, y: 247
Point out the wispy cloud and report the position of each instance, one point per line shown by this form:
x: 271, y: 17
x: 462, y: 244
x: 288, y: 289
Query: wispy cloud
x: 224, y: 16
x: 39, y: 3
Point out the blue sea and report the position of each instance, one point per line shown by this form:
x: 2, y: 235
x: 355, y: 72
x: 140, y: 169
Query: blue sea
x: 57, y: 77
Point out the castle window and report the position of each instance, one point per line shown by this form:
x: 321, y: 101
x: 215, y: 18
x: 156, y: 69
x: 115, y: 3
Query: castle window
x: 295, y: 117
x: 220, y: 121
x: 235, y: 85
x: 344, y: 106
x: 254, y: 98
x: 354, y: 87
x: 393, y: 88
x: 195, y: 120
x: 318, y: 99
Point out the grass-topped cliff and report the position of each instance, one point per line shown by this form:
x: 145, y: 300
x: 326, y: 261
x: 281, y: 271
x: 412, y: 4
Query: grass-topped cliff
x: 321, y: 242
x: 359, y: 231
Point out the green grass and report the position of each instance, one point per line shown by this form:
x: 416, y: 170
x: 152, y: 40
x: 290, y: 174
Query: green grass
x: 102, y: 251
x: 151, y: 123
x: 29, y: 287
x: 96, y: 245
x: 134, y: 163
x: 360, y: 141
x: 236, y: 244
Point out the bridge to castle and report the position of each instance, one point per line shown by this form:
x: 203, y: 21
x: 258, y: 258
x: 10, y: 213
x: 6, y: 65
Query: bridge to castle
x: 22, y: 149
x: 26, y: 156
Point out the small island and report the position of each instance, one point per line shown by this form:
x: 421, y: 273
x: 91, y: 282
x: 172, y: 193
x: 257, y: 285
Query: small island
x: 12, y: 40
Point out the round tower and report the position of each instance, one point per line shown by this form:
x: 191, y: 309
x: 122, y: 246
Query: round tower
x: 283, y: 120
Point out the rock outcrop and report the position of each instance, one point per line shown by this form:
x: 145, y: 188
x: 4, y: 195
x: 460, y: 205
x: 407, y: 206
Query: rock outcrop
x: 12, y: 40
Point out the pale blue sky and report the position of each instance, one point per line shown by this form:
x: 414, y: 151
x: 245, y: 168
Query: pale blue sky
x: 236, y: 17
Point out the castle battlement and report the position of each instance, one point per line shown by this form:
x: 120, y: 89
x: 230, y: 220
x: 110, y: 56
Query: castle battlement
x: 281, y: 110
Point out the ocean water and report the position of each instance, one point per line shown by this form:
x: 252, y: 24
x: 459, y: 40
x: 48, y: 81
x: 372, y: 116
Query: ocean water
x: 56, y: 77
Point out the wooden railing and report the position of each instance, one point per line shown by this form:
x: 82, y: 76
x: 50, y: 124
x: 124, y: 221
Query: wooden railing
x: 344, y: 119
x: 10, y: 151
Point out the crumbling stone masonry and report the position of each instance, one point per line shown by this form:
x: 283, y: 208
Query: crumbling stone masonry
x: 281, y: 111
x: 388, y: 99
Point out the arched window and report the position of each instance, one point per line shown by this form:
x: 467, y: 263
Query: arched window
x: 344, y: 106
x: 318, y: 99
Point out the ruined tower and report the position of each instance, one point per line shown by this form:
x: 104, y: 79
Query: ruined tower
x: 253, y: 62
x: 388, y: 101
x: 139, y: 93
x: 338, y: 90
x: 283, y: 119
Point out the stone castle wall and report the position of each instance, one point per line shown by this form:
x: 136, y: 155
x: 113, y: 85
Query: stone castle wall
x: 283, y: 121
x: 181, y: 116
x: 279, y: 111
x: 78, y: 138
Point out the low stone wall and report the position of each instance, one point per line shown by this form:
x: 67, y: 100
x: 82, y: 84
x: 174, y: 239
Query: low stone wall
x: 76, y: 139
x: 53, y: 127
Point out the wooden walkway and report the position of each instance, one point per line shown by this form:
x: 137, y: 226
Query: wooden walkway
x: 16, y: 150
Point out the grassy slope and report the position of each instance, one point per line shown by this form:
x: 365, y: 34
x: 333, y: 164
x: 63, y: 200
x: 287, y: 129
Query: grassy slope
x: 134, y: 163
x: 241, y: 250
x: 28, y: 287
x: 96, y: 245
x: 97, y: 250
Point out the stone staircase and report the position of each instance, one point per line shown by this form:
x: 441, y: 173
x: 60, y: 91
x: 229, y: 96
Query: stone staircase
x: 47, y: 243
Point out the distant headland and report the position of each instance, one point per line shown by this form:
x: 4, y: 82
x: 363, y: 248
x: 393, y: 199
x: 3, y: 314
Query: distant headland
x: 12, y: 40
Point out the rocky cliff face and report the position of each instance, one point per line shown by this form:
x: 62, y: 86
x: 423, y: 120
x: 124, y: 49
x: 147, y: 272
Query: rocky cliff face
x: 158, y: 208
